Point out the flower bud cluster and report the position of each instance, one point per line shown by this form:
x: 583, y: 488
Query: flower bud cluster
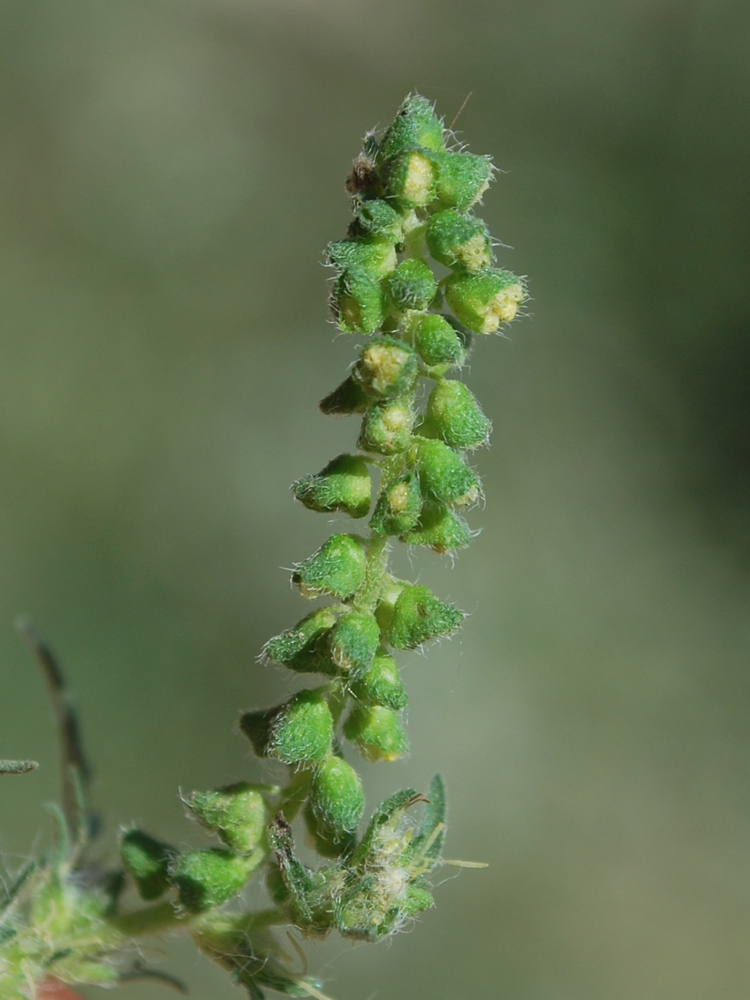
x: 413, y: 247
x: 202, y: 879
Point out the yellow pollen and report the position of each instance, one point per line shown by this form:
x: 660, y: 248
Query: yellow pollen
x: 474, y: 253
x: 420, y: 179
x: 398, y: 498
x: 385, y: 363
x: 503, y: 308
x: 395, y: 418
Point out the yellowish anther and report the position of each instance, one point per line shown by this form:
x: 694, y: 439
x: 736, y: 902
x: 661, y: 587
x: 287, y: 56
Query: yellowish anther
x: 469, y: 497
x: 396, y: 418
x: 398, y: 498
x: 419, y: 187
x: 383, y: 363
x: 503, y: 307
x: 480, y: 193
x: 475, y: 254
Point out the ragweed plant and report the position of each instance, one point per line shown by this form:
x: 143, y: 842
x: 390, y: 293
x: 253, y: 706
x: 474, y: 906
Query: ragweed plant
x: 416, y: 276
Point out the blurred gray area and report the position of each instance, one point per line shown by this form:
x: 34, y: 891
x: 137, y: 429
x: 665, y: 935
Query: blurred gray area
x: 169, y: 175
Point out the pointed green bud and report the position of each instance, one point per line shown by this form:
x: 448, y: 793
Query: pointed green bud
x: 336, y: 795
x: 236, y: 813
x: 354, y: 641
x: 389, y: 593
x: 358, y: 301
x: 462, y: 179
x: 458, y: 240
x: 439, y: 528
x: 456, y: 416
x: 438, y: 344
x: 376, y: 217
x: 349, y: 397
x: 398, y: 508
x: 409, y: 178
x: 336, y: 569
x: 304, y: 648
x: 375, y: 256
x: 147, y: 862
x: 443, y: 475
x: 380, y: 684
x: 344, y: 484
x: 485, y: 300
x: 208, y: 878
x: 299, y: 730
x: 411, y: 286
x: 386, y: 368
x: 415, y: 124
x: 418, y: 616
x: 328, y: 841
x: 377, y: 732
x: 386, y: 428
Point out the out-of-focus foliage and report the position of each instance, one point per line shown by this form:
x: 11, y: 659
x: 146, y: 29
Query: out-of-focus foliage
x: 168, y: 171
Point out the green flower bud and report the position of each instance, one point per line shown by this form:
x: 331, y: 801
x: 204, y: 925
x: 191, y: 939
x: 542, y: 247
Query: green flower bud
x: 344, y: 484
x: 358, y: 302
x: 462, y: 179
x: 354, y: 641
x: 398, y: 508
x: 236, y: 813
x: 409, y: 178
x: 485, y: 300
x: 442, y: 474
x: 304, y: 648
x: 415, y: 124
x: 147, y: 862
x: 438, y: 344
x: 411, y: 286
x: 336, y: 795
x: 455, y: 415
x: 380, y: 684
x: 336, y: 569
x: 349, y: 397
x: 377, y: 732
x: 418, y: 616
x: 389, y: 593
x: 207, y: 878
x: 299, y: 730
x: 386, y: 428
x: 439, y: 528
x: 376, y: 217
x: 328, y: 841
x: 375, y: 256
x: 458, y: 240
x: 386, y: 368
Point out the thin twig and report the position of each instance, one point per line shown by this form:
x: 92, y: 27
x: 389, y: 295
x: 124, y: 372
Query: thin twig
x: 75, y: 773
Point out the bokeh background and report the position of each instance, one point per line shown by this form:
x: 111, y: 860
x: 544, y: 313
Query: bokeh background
x: 169, y: 174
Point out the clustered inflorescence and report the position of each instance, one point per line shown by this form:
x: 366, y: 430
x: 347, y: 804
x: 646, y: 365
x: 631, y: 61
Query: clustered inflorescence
x: 412, y: 199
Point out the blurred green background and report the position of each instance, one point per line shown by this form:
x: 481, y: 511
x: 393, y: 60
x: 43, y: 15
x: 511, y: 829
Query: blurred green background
x: 169, y: 175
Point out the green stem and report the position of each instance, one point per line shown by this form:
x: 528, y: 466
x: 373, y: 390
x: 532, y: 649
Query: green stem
x: 150, y: 920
